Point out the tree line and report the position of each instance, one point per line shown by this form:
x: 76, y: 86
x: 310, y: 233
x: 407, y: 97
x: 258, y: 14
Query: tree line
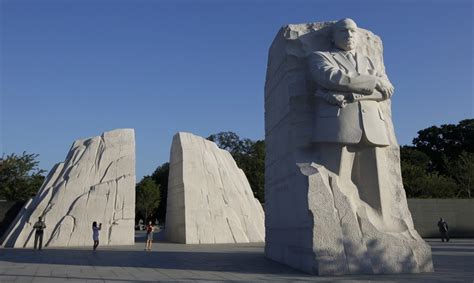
x: 438, y: 164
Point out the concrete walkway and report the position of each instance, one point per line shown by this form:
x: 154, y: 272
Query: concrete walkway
x: 454, y: 262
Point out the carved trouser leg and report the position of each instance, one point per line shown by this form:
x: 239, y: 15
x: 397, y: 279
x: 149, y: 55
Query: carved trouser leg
x: 356, y: 165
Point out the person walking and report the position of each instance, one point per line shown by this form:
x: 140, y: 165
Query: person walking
x: 443, y: 229
x: 149, y: 236
x: 95, y: 234
x: 39, y: 227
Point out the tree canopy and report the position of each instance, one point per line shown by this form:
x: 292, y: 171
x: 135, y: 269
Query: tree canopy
x: 440, y: 164
x: 160, y: 176
x: 20, y: 177
x: 147, y: 198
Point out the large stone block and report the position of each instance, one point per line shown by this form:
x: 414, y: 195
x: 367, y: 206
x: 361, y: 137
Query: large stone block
x: 96, y: 182
x: 209, y: 197
x: 334, y: 198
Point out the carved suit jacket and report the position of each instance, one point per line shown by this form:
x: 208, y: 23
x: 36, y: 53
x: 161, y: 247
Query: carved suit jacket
x: 335, y: 74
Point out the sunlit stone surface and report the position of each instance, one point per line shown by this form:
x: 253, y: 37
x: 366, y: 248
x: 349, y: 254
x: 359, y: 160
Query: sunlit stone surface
x: 96, y: 182
x: 334, y: 197
x: 209, y: 197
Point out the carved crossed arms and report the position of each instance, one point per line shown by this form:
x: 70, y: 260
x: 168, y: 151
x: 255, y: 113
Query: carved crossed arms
x: 341, y: 88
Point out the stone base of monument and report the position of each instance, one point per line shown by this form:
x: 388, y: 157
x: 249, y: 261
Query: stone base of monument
x: 347, y: 236
x: 351, y: 237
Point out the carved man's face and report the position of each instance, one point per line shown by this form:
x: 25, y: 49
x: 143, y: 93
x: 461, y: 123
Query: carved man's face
x: 344, y: 34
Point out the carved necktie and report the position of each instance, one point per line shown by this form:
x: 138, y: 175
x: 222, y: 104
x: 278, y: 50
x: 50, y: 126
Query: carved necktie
x: 351, y: 59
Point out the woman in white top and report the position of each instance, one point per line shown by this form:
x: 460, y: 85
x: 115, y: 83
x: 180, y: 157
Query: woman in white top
x: 95, y: 234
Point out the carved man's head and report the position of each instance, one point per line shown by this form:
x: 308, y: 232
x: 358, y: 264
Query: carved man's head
x: 344, y: 34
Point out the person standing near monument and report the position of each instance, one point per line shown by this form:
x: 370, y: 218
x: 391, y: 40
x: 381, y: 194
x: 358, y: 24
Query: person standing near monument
x: 349, y: 124
x: 149, y: 236
x: 39, y: 227
x: 443, y: 229
x: 95, y: 234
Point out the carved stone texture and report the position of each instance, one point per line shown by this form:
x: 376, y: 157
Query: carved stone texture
x: 96, y: 182
x: 209, y: 198
x: 316, y: 220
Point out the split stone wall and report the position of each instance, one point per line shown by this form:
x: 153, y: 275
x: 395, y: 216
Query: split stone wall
x: 96, y: 182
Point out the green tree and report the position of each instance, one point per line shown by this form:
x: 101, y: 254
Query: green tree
x: 20, y: 177
x: 249, y: 156
x: 441, y: 162
x: 462, y: 170
x: 420, y: 184
x: 253, y: 165
x: 160, y: 176
x: 414, y: 164
x: 435, y: 185
x: 148, y: 198
x: 231, y: 142
x: 445, y: 143
x: 412, y: 155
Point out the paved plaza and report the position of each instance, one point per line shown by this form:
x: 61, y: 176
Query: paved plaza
x: 453, y: 261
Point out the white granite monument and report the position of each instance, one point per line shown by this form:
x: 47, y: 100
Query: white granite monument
x: 334, y: 198
x: 209, y: 198
x: 96, y: 182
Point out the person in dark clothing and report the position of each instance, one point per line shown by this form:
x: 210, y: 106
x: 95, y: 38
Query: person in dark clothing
x: 39, y: 227
x: 95, y: 234
x: 443, y: 229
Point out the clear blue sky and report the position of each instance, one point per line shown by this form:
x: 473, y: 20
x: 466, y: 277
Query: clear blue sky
x: 73, y: 69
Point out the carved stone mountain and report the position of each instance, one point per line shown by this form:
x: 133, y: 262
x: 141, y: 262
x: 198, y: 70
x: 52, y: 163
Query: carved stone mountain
x: 96, y: 182
x: 209, y: 197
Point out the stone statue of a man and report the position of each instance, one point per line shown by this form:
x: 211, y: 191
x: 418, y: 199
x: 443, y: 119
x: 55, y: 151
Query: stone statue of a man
x: 349, y: 85
x: 334, y: 197
x: 349, y: 123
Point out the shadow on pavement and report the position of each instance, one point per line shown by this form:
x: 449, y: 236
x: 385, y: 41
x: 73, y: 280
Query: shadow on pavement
x: 242, y: 262
x: 233, y: 262
x: 454, y: 265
